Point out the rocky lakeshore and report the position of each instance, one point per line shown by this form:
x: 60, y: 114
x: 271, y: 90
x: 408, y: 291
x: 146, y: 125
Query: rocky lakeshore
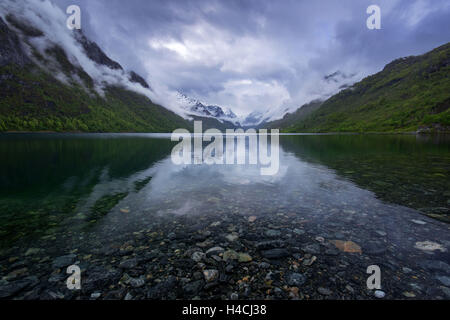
x: 280, y: 256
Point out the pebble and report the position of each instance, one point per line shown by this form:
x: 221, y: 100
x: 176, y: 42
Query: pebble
x: 324, y: 291
x: 64, y: 261
x: 444, y: 280
x: 295, y: 279
x: 272, y: 233
x: 96, y: 295
x: 197, y: 256
x: 418, y: 222
x: 380, y: 294
x: 211, y: 275
x: 275, y: 253
x: 234, y: 296
x: 232, y: 237
x: 128, y: 264
x: 215, y: 251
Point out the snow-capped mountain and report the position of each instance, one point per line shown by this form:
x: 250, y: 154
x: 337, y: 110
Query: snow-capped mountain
x: 255, y: 118
x: 197, y: 108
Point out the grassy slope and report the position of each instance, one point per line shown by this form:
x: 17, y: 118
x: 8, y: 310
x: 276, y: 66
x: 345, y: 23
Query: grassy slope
x: 292, y: 118
x: 407, y: 94
x: 32, y: 99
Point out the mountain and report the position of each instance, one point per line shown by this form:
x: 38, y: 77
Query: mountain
x: 409, y: 94
x: 194, y: 107
x: 254, y: 119
x: 46, y: 87
x: 291, y: 119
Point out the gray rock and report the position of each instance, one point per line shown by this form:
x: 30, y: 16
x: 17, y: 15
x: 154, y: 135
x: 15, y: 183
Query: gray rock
x: 312, y: 248
x: 210, y: 275
x: 96, y: 295
x: 406, y: 270
x: 128, y: 297
x: 10, y: 289
x: 64, y: 261
x: 197, y: 256
x: 295, y: 279
x: 215, y: 251
x: 275, y: 253
x: 162, y: 289
x: 434, y: 265
x: 193, y: 288
x: 324, y: 291
x: 137, y: 282
x: 299, y: 231
x: 128, y: 264
x: 380, y: 294
x: 266, y: 245
x: 444, y: 280
x: 272, y: 233
x: 446, y: 291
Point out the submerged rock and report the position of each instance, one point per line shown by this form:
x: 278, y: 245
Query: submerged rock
x: 211, y: 275
x: 295, y: 279
x: 275, y: 253
x: 64, y: 261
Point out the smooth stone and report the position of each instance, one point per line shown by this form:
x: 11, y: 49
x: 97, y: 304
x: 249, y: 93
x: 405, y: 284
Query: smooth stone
x: 211, y: 275
x: 444, y: 280
x: 295, y: 279
x: 64, y: 261
x: 128, y: 264
x: 32, y: 251
x: 215, y: 251
x: 275, y: 253
x: 265, y: 245
x: 324, y: 291
x: 193, y: 288
x: 381, y: 233
x: 230, y: 255
x: 96, y: 295
x: 312, y: 248
x: 272, y: 233
x: 435, y: 265
x: 380, y: 294
x: 244, y: 257
x: 197, y: 256
x: 232, y: 237
x: 162, y: 289
x: 234, y: 296
x: 409, y: 294
x: 128, y: 296
x: 137, y: 282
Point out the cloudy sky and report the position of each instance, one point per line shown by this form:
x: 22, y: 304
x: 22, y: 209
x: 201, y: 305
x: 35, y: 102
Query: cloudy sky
x: 260, y: 55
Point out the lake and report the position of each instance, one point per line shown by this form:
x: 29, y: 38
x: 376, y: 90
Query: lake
x: 141, y: 227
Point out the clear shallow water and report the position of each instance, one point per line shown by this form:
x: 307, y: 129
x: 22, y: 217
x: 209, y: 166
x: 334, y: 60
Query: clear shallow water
x: 108, y: 198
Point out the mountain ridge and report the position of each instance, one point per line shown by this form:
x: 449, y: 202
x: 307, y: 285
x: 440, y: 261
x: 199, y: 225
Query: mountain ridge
x: 410, y: 94
x: 46, y: 91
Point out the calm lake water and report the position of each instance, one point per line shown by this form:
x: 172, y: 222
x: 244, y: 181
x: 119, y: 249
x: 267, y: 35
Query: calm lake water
x: 102, y: 200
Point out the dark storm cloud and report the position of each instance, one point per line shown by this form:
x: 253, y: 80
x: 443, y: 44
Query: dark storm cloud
x: 253, y: 55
